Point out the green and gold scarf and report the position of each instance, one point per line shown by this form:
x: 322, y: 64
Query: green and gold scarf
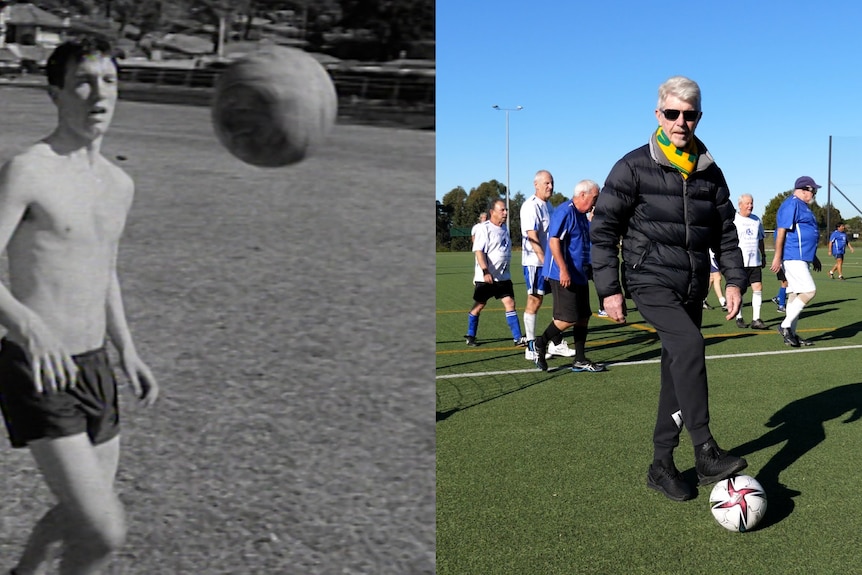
x: 683, y: 160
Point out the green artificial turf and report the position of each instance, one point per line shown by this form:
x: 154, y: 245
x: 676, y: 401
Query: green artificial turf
x: 544, y: 473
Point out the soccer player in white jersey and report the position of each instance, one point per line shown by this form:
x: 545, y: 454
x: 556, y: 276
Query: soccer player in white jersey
x: 749, y: 229
x: 493, y: 250
x: 535, y: 217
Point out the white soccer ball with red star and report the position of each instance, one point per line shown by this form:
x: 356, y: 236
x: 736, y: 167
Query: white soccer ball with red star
x: 738, y: 503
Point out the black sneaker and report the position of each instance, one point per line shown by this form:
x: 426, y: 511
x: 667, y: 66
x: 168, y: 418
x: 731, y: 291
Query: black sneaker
x: 776, y: 301
x: 714, y: 464
x: 587, y: 365
x: 668, y: 481
x: 741, y: 323
x: 471, y: 341
x: 803, y: 342
x: 541, y: 348
x: 521, y: 341
x: 789, y: 337
x: 758, y: 324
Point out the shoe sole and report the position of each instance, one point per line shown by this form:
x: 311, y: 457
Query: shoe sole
x: 658, y: 488
x: 708, y: 480
x: 786, y: 342
x: 583, y: 369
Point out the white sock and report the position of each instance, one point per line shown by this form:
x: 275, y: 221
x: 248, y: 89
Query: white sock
x: 794, y: 308
x: 530, y: 325
x: 756, y: 303
x: 722, y: 301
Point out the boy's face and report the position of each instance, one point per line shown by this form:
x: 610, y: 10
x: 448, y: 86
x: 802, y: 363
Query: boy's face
x: 89, y: 94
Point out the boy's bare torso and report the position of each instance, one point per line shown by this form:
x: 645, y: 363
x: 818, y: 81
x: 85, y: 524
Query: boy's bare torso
x: 62, y: 253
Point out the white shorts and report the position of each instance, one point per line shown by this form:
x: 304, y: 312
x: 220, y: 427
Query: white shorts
x: 798, y: 275
x: 535, y: 280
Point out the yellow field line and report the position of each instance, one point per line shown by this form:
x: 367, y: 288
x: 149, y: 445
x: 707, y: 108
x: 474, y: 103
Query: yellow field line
x: 623, y: 340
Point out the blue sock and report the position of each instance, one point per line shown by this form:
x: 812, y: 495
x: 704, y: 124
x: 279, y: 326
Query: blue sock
x: 514, y: 325
x: 782, y: 296
x: 472, y: 324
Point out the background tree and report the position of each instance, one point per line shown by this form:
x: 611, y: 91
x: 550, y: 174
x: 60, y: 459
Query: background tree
x: 463, y: 209
x: 557, y: 198
x: 768, y: 217
x: 444, y: 224
x: 515, y: 203
x: 453, y: 205
x: 394, y: 23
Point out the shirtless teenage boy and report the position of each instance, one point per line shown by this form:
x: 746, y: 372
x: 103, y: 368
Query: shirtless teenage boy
x: 63, y: 207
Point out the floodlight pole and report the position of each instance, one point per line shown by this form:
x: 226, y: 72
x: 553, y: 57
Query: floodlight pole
x: 507, y: 110
x: 829, y: 191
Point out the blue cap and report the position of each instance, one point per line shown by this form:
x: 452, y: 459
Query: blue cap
x: 804, y: 182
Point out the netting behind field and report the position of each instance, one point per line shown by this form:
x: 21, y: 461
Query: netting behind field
x: 846, y: 192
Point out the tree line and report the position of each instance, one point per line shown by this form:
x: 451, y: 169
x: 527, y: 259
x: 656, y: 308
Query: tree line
x: 390, y: 24
x: 459, y: 210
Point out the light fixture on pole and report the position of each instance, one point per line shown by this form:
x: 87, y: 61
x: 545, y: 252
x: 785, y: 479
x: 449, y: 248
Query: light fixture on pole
x: 507, y: 110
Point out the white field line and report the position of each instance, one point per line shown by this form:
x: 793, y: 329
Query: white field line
x: 657, y: 360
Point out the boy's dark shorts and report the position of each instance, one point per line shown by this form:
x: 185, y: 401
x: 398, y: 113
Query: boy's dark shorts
x: 91, y: 406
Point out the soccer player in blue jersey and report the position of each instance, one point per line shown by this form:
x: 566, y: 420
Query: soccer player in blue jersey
x: 796, y: 235
x: 838, y: 242
x: 568, y: 270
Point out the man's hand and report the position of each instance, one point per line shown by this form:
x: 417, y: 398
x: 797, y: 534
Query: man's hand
x: 52, y: 366
x: 565, y: 278
x: 776, y: 263
x: 143, y: 383
x: 817, y: 265
x: 615, y: 306
x: 733, y: 295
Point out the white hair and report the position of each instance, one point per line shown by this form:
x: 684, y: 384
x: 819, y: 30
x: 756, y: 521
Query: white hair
x: 683, y: 88
x: 584, y: 186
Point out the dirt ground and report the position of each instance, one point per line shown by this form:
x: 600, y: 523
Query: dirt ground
x: 289, y: 317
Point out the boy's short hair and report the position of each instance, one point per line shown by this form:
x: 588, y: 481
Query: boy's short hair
x: 74, y: 51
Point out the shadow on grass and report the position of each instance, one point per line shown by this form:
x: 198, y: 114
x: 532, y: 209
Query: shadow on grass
x: 799, y: 426
x: 843, y: 332
x: 476, y: 392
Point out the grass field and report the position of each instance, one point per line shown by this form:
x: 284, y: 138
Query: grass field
x: 544, y: 473
x: 288, y: 439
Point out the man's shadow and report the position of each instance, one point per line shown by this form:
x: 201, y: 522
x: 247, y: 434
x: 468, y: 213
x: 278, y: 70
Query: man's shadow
x: 799, y: 425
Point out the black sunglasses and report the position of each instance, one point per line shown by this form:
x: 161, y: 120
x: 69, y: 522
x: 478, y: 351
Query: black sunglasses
x: 810, y: 189
x: 687, y: 115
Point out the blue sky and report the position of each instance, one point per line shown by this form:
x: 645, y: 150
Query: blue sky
x: 777, y: 79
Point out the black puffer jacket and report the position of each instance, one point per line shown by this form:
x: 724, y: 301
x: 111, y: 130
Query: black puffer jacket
x: 666, y: 223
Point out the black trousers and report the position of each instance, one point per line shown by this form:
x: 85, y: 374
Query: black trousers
x: 684, y: 393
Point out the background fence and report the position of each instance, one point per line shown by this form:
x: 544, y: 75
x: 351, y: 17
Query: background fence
x: 374, y: 97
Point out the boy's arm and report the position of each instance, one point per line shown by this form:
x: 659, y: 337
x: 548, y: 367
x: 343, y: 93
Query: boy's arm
x: 141, y: 378
x: 50, y: 363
